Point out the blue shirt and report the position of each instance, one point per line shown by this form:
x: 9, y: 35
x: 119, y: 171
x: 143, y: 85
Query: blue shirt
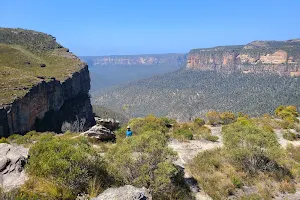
x: 128, y: 133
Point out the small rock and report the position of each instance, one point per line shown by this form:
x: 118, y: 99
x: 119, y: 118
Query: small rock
x: 128, y: 192
x: 12, y: 162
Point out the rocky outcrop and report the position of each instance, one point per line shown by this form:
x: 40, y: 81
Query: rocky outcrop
x: 282, y: 57
x: 109, y: 123
x: 127, y: 192
x: 100, y: 132
x: 40, y: 98
x: 103, y: 130
x: 155, y: 59
x: 47, y: 105
x: 12, y: 161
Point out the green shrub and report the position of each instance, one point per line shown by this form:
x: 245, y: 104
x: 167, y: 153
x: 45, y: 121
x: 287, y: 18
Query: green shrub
x: 145, y: 161
x: 227, y: 117
x: 213, y: 117
x: 201, y: 132
x: 29, y: 138
x: 212, y: 138
x: 211, y: 171
x: 14, y: 194
x: 288, y: 135
x: 69, y: 164
x: 168, y: 121
x: 4, y: 140
x: 149, y: 123
x: 251, y: 197
x: 184, y: 132
x: 250, y: 146
x: 236, y: 181
x: 199, y: 122
x: 14, y: 137
x: 287, y: 113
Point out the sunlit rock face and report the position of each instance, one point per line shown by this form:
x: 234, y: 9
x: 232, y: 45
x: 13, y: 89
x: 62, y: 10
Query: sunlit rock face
x: 282, y: 57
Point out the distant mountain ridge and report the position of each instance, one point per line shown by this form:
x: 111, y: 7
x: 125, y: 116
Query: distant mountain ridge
x: 281, y: 57
x: 128, y: 60
x: 112, y: 71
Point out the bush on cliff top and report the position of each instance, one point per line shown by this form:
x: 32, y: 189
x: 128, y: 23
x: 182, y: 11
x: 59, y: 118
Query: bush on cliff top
x: 65, y: 165
x: 145, y: 160
x: 252, y: 157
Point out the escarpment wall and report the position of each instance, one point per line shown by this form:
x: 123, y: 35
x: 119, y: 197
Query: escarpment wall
x: 47, y: 105
x: 282, y: 57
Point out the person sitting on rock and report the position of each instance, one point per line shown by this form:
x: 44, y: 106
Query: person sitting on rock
x: 128, y: 132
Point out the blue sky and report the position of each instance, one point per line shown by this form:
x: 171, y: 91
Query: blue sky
x: 112, y: 27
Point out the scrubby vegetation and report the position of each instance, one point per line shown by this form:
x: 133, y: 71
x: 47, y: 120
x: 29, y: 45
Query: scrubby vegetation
x: 64, y: 168
x: 186, y: 94
x: 251, y: 157
x: 23, y: 52
x: 146, y: 161
x: 250, y: 165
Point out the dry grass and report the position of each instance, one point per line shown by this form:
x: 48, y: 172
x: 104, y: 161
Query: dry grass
x: 20, y: 63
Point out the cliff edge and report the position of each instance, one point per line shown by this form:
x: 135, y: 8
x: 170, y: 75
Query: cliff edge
x: 281, y: 57
x: 42, y: 84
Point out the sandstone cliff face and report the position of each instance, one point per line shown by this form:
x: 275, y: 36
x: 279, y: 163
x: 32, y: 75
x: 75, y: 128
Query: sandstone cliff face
x: 59, y: 90
x: 282, y: 57
x: 47, y: 105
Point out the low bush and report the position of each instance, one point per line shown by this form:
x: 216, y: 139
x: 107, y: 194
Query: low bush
x: 199, y: 122
x: 145, y: 160
x: 212, y: 138
x: 213, y: 117
x: 287, y: 187
x: 212, y: 172
x: 149, y: 123
x: 29, y: 138
x: 4, y: 140
x: 236, y: 181
x: 250, y: 146
x: 201, y: 132
x: 67, y: 165
x: 288, y: 135
x: 287, y: 113
x: 183, y: 132
x: 227, y: 117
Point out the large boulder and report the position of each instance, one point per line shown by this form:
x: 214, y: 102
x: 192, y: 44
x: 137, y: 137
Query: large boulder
x: 127, y: 192
x: 12, y: 161
x: 109, y: 123
x: 100, y: 132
